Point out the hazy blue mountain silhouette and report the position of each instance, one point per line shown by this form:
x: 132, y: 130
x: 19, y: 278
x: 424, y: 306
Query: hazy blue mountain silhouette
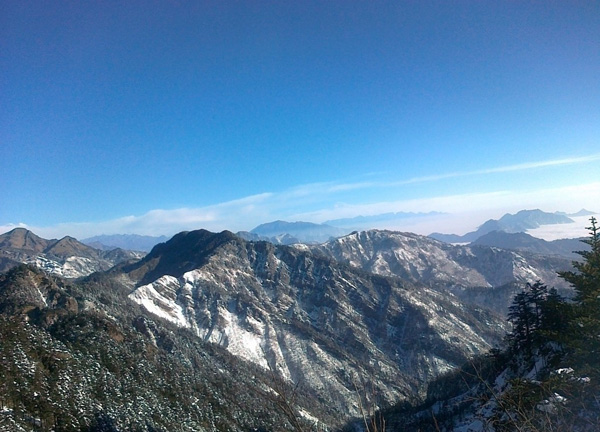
x: 510, y: 223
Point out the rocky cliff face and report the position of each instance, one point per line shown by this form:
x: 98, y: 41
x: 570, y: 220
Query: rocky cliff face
x: 324, y: 324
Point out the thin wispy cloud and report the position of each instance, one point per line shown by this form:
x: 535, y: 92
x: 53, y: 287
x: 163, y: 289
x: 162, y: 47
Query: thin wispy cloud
x: 461, y: 203
x: 326, y: 188
x: 456, y: 174
x: 283, y: 129
x: 318, y: 202
x: 540, y: 164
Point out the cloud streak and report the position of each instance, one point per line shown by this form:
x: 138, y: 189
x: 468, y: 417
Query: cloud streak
x: 318, y: 202
x: 456, y: 174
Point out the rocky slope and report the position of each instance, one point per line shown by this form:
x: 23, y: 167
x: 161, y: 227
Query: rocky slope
x: 66, y: 257
x: 546, y: 377
x: 80, y: 356
x: 426, y: 260
x: 486, y: 275
x: 324, y: 324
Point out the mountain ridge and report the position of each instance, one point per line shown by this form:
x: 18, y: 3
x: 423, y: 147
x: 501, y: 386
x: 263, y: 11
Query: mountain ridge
x: 421, y: 258
x: 511, y: 223
x: 280, y: 306
x: 525, y: 242
x: 304, y: 232
x: 134, y: 242
x: 481, y: 275
x: 66, y: 257
x: 392, y: 309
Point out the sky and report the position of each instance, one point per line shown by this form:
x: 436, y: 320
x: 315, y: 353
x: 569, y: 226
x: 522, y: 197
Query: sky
x: 152, y: 117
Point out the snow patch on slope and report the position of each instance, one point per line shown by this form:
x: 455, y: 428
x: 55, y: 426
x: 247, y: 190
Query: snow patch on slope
x: 239, y: 341
x: 72, y: 267
x: 159, y: 298
x: 165, y: 297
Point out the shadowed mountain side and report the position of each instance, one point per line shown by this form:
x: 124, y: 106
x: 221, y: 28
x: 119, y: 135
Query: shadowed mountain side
x: 183, y: 252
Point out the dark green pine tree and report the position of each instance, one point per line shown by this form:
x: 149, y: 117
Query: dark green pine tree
x: 586, y: 280
x: 537, y: 316
x: 555, y: 317
x: 584, y: 328
x: 522, y: 316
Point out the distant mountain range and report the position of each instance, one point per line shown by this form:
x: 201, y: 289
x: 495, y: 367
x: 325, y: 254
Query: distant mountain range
x: 369, y: 222
x: 582, y: 212
x: 66, y: 257
x: 71, y: 258
x: 524, y: 242
x: 287, y: 233
x: 132, y: 242
x: 281, y: 232
x: 519, y: 222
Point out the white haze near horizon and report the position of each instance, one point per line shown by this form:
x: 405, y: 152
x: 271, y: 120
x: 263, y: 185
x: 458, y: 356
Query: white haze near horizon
x: 459, y: 214
x: 576, y: 229
x: 464, y: 223
x: 320, y: 202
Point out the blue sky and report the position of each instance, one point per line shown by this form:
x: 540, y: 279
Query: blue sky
x: 153, y: 117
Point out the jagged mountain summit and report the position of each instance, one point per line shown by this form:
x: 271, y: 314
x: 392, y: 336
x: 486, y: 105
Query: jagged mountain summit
x: 65, y: 257
x: 312, y: 319
x: 425, y: 260
x: 133, y: 242
x: 485, y: 275
x: 23, y: 239
x: 520, y: 222
x: 582, y: 212
x: 281, y: 232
